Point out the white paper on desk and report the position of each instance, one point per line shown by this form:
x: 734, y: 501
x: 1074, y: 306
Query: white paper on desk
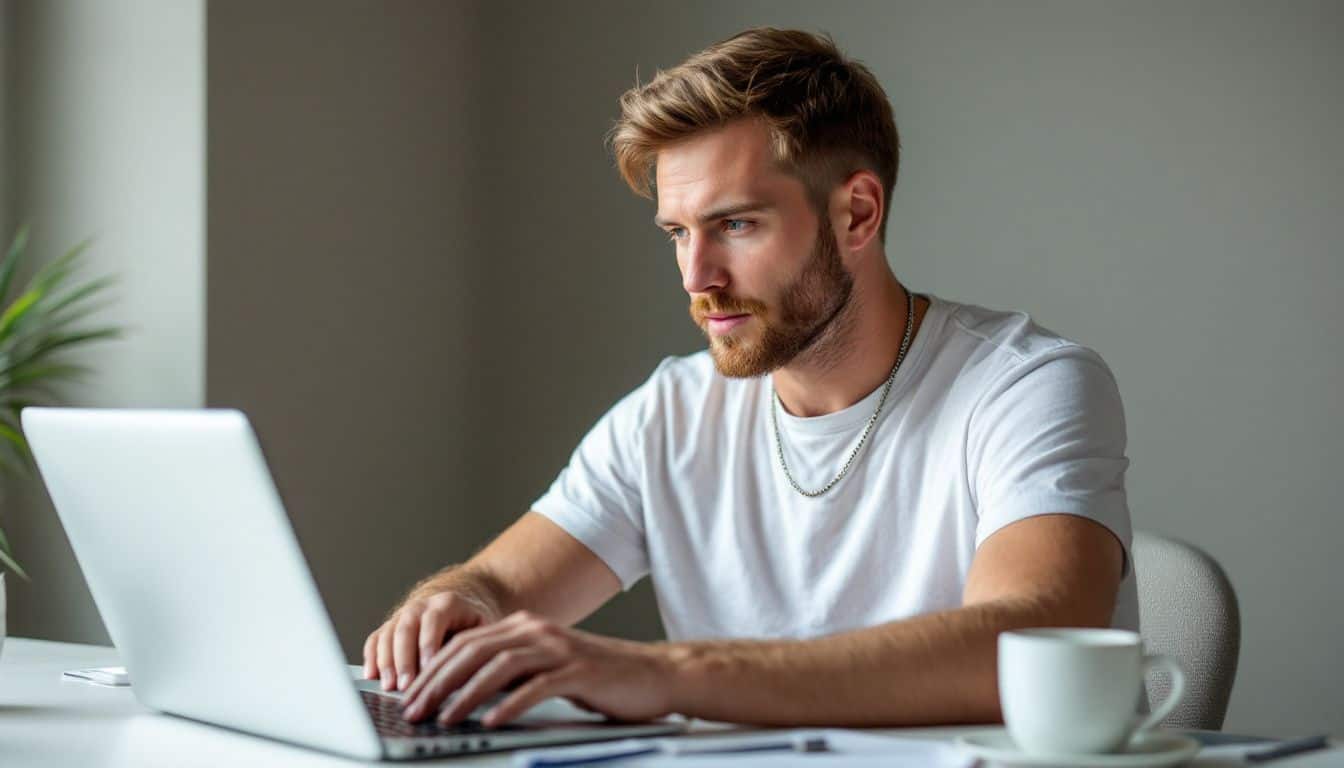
x: 855, y: 749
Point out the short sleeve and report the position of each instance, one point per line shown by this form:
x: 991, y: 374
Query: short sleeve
x: 1048, y: 438
x: 597, y: 498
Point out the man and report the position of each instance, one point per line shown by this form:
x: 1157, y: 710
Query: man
x: 842, y: 502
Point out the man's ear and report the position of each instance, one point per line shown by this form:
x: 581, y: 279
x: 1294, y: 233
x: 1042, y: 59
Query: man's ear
x: 858, y: 206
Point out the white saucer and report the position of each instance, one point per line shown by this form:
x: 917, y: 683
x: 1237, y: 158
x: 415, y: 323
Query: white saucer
x: 1157, y: 748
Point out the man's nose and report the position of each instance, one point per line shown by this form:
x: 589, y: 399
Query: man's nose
x: 702, y: 268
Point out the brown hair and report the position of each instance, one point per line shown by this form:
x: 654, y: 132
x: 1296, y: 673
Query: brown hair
x: 827, y: 115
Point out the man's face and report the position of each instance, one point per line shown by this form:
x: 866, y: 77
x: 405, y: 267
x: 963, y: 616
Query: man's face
x: 762, y: 268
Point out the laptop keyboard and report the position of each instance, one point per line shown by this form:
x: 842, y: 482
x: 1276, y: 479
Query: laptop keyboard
x: 386, y: 714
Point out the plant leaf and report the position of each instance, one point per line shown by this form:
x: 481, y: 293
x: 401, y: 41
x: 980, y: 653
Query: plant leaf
x: 19, y: 445
x: 16, y: 311
x: 49, y: 323
x: 84, y: 291
x: 56, y: 341
x: 53, y: 272
x: 12, y: 258
x: 53, y: 344
x: 37, y: 388
x: 8, y: 561
x: 27, y: 375
x: 13, y: 436
x: 7, y: 557
x: 14, y: 404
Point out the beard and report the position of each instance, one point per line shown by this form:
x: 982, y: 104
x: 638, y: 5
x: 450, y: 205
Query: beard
x: 806, y: 308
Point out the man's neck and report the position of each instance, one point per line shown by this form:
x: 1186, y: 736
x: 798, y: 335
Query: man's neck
x: 855, y: 355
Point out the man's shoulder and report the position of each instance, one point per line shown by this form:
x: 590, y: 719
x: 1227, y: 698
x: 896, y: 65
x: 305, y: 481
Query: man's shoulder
x: 1003, y: 365
x: 993, y: 343
x: 1014, y: 335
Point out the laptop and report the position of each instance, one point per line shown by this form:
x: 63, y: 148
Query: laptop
x: 193, y: 564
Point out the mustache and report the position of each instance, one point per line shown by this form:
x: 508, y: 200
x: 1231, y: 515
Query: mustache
x: 722, y: 304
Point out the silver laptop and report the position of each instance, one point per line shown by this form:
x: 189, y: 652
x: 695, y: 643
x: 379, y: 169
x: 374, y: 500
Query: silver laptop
x: 194, y: 566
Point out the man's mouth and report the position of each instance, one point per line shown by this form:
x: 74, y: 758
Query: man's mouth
x: 720, y: 323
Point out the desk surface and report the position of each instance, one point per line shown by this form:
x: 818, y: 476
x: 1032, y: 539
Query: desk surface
x: 46, y: 721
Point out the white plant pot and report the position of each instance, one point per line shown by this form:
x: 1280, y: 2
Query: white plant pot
x: 2, y: 611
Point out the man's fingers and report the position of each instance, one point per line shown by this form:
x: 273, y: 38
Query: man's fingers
x: 448, y: 652
x: 459, y: 660
x: 371, y: 655
x: 531, y: 693
x: 454, y: 665
x: 405, y: 648
x: 387, y: 670
x: 434, y: 625
x: 503, y: 669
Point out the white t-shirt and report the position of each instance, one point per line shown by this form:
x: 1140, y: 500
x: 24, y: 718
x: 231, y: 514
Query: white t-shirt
x: 991, y: 419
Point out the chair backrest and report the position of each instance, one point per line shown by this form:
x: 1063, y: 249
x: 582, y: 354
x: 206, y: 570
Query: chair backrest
x: 1188, y: 610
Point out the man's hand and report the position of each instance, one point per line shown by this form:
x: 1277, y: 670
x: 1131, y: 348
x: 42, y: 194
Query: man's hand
x: 534, y: 565
x: 396, y: 651
x: 619, y: 678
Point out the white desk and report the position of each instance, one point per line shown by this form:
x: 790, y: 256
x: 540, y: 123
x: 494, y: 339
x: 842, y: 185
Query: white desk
x: 45, y: 721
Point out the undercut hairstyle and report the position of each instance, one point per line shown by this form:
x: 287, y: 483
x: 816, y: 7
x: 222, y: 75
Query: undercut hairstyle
x: 827, y: 115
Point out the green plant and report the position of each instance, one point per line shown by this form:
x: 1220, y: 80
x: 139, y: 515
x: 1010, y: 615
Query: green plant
x: 37, y: 326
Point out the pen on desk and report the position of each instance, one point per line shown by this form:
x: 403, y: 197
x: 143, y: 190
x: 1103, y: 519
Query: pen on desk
x: 1284, y: 749
x: 675, y: 747
x: 564, y: 762
x: 728, y: 746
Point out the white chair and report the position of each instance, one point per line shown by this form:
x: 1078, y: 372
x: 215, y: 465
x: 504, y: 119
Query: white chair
x: 1188, y: 610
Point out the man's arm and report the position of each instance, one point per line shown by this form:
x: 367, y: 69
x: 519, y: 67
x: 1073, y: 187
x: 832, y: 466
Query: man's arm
x: 534, y: 566
x: 1049, y: 570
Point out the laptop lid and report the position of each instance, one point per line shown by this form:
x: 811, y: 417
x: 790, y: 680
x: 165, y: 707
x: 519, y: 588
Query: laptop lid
x: 194, y: 566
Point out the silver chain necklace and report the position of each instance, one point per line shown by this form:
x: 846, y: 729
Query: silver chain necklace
x: 886, y: 388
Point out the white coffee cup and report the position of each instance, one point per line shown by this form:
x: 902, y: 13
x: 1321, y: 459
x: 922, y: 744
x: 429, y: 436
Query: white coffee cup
x: 1077, y: 691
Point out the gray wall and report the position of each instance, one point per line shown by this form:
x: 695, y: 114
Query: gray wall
x: 342, y: 264
x: 426, y: 281
x: 105, y: 138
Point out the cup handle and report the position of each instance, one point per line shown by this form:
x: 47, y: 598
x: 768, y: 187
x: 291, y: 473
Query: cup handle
x: 1156, y: 661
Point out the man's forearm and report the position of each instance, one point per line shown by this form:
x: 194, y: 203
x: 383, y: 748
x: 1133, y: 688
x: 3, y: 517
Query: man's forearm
x: 937, y: 668
x: 533, y: 566
x: 1047, y: 570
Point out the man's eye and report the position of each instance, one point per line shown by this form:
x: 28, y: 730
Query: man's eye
x: 675, y: 233
x: 736, y: 225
